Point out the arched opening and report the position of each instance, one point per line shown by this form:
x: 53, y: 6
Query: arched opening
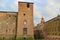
x: 24, y: 38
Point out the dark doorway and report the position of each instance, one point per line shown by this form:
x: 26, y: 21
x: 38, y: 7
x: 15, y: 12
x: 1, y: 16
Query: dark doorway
x: 24, y: 38
x: 36, y: 34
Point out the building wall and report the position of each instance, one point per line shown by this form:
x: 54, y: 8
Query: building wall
x: 52, y: 27
x: 25, y: 19
x: 49, y: 28
x: 7, y: 24
x: 12, y: 24
x: 38, y: 30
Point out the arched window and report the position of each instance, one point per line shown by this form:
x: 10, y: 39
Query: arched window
x: 28, y: 5
x: 25, y: 22
x: 24, y: 31
x: 24, y: 38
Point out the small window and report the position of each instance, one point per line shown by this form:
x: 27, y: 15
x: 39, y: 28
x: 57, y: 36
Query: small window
x: 0, y: 23
x: 48, y: 33
x: 6, y: 30
x: 59, y: 33
x: 24, y: 14
x: 55, y: 33
x: 14, y: 16
x: 9, y: 15
x: 14, y: 23
x: 25, y: 22
x: 27, y: 5
x: 13, y: 30
x: 7, y: 23
x: 24, y: 38
x: 24, y: 31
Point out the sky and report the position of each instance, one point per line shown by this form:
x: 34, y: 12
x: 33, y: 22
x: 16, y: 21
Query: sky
x: 46, y: 8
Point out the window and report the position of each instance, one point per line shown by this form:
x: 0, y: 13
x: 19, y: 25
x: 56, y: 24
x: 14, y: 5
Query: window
x: 25, y: 22
x: 27, y: 5
x: 6, y: 30
x: 24, y: 14
x: 24, y: 31
x: 48, y: 33
x: 24, y: 38
x: 14, y: 15
x: 7, y: 23
x: 55, y: 33
x: 9, y: 15
x: 59, y: 33
x: 59, y: 28
x: 14, y: 23
x: 13, y: 30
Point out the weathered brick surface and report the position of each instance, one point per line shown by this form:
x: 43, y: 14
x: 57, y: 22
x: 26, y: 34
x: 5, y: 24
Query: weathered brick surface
x: 7, y: 24
x: 22, y: 9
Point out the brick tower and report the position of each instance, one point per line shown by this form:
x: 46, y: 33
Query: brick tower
x: 25, y: 21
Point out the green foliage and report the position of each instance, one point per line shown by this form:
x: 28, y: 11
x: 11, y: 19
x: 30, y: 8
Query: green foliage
x: 19, y: 38
x: 28, y: 38
x: 6, y: 38
x: 0, y: 38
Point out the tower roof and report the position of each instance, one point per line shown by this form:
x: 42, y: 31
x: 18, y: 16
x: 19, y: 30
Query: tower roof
x: 42, y: 19
x: 25, y: 2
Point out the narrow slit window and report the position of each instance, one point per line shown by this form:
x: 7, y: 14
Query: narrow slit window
x: 27, y: 5
x: 24, y: 14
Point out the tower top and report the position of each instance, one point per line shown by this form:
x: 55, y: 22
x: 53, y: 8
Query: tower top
x: 42, y: 20
x: 58, y: 15
x: 25, y: 2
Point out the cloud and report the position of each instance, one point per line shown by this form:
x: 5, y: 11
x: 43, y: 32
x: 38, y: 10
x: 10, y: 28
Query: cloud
x: 8, y: 5
x: 37, y: 12
x: 53, y: 8
x: 2, y: 4
x: 26, y: 0
x: 14, y: 6
x: 46, y: 8
x: 20, y: 0
x: 37, y: 15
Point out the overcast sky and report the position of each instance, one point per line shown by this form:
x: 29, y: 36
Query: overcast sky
x: 46, y: 8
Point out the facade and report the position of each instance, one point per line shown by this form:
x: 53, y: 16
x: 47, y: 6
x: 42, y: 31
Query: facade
x: 52, y: 27
x: 25, y: 20
x: 17, y: 25
x: 40, y: 25
x: 7, y: 24
x: 49, y: 30
x: 38, y: 30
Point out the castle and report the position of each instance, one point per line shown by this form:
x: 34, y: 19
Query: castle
x: 20, y: 26
x: 49, y: 30
x: 17, y: 25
